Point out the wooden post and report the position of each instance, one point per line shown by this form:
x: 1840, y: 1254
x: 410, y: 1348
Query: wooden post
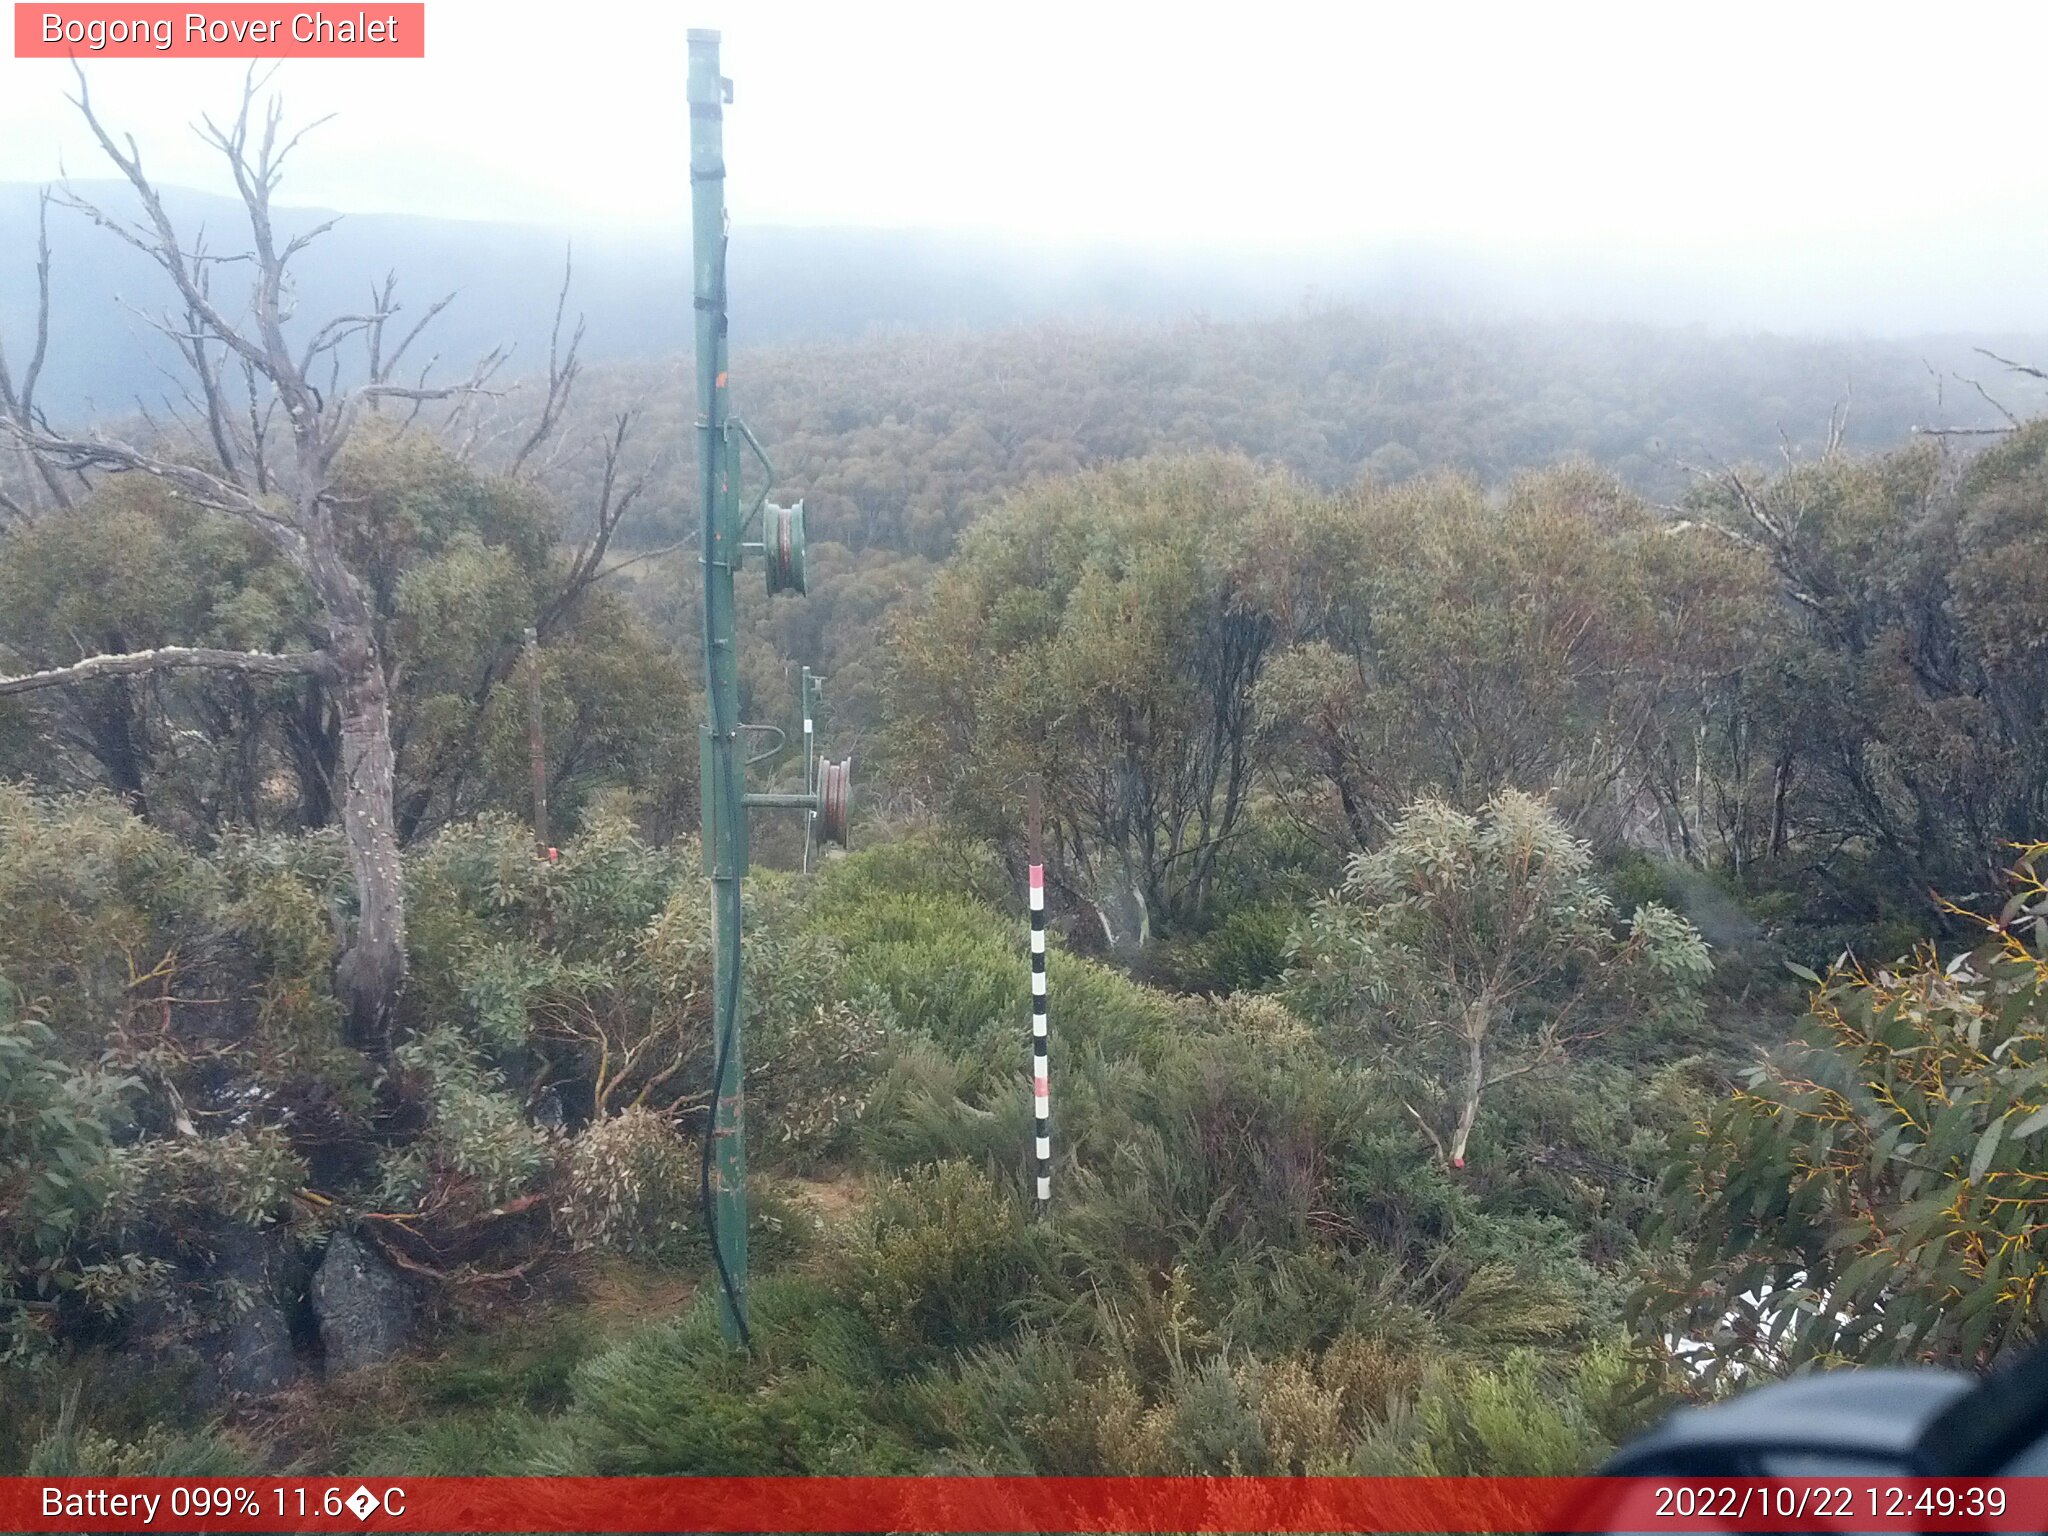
x: 536, y: 741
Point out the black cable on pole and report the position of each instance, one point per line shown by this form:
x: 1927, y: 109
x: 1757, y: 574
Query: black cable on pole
x: 708, y: 1204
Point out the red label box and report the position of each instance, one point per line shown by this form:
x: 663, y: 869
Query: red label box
x: 375, y: 30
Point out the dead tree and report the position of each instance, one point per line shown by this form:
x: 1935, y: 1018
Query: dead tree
x: 267, y: 409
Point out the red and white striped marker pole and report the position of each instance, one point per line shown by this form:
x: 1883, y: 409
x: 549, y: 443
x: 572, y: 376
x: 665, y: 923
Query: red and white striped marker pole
x: 1041, y: 1098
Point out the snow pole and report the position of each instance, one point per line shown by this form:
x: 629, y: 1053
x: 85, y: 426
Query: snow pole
x: 1041, y: 1099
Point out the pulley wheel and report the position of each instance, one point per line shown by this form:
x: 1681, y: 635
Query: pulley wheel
x: 835, y: 801
x: 784, y: 538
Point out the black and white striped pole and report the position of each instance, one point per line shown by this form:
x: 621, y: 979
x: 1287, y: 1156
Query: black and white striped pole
x: 1041, y: 1097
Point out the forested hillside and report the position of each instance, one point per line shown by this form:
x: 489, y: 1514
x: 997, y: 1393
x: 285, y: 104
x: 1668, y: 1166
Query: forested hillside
x: 899, y: 442
x: 1543, y: 828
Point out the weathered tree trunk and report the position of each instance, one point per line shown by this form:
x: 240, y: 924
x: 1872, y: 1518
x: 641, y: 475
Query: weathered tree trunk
x: 1474, y: 1030
x: 1125, y: 915
x: 371, y: 973
x: 311, y: 743
x: 1781, y: 796
x: 112, y: 721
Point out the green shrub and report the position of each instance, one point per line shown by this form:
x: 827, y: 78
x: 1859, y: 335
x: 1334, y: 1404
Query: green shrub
x: 277, y: 896
x: 1634, y: 878
x: 72, y: 1451
x: 630, y: 1185
x: 940, y: 1261
x: 1092, y: 1005
x: 921, y: 1112
x: 947, y: 968
x: 1524, y: 1418
x: 1244, y: 952
x: 678, y: 1400
x: 53, y: 1174
x: 924, y: 863
x: 524, y: 1361
x: 1469, y: 951
x: 1031, y: 1407
x: 458, y: 1442
x: 811, y: 1080
x: 183, y: 1183
x: 501, y: 940
x: 93, y: 899
x: 1253, y: 1134
x: 1869, y: 1192
x: 476, y: 1135
x: 1212, y: 1424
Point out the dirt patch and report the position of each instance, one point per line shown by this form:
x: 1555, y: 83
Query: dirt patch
x: 621, y: 1292
x: 835, y: 1197
x: 292, y: 1428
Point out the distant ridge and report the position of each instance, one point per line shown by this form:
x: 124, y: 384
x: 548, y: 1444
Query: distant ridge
x: 802, y: 285
x: 797, y: 285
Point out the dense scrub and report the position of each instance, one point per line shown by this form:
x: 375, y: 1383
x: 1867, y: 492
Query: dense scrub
x: 1258, y: 1259
x: 1872, y: 1191
x: 1822, y: 692
x: 456, y: 564
x: 902, y: 444
x: 1245, y: 1218
x: 186, y: 1119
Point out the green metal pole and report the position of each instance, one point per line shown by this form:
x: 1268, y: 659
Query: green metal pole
x: 725, y: 830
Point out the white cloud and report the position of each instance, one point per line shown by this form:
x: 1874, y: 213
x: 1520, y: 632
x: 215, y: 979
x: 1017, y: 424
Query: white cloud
x: 1632, y: 126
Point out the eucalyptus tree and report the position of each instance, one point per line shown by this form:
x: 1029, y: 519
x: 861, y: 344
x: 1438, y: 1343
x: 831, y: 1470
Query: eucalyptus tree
x: 1869, y: 1191
x: 1471, y: 949
x: 1092, y: 632
x: 270, y: 404
x: 1437, y: 639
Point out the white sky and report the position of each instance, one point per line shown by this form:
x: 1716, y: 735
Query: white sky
x: 1650, y: 127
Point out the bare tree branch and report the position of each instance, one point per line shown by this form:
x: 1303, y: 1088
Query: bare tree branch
x: 614, y: 501
x: 1985, y: 395
x: 19, y: 405
x: 562, y: 371
x: 208, y: 489
x: 259, y: 428
x: 2030, y: 372
x: 170, y: 658
x: 1838, y: 425
x: 35, y: 362
x: 645, y: 555
x: 386, y: 309
x: 471, y: 386
x: 162, y: 245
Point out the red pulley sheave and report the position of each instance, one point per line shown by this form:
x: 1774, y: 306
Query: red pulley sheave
x: 835, y: 801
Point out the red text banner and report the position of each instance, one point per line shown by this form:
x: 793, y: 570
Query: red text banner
x: 263, y: 31
x: 1001, y: 1504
